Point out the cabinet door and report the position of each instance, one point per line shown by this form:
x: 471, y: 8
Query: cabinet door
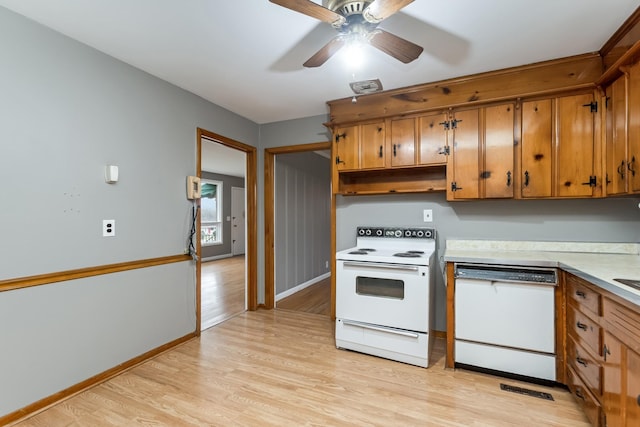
x: 346, y: 148
x: 575, y: 146
x: 616, y: 137
x: 403, y: 142
x: 498, y: 151
x: 372, y: 145
x: 536, y: 143
x: 465, y: 155
x: 633, y: 389
x: 432, y: 142
x: 633, y: 154
x: 612, y: 380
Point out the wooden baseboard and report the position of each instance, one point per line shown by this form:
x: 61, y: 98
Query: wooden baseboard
x: 49, y: 401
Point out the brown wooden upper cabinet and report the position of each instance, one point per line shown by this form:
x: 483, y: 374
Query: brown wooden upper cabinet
x: 418, y: 141
x: 633, y: 153
x: 482, y: 153
x: 559, y: 147
x: 372, y: 144
x: 616, y: 137
x: 346, y: 150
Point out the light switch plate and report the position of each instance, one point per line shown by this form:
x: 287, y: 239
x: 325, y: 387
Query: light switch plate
x: 428, y: 215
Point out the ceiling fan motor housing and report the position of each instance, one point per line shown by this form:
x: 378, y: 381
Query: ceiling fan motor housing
x: 346, y: 7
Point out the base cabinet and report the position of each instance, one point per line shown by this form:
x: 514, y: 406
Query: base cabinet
x: 632, y: 401
x: 602, y: 359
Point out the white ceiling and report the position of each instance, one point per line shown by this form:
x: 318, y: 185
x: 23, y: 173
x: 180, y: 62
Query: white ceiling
x: 247, y: 55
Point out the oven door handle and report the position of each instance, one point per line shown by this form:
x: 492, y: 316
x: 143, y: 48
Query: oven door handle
x: 384, y: 266
x: 381, y: 329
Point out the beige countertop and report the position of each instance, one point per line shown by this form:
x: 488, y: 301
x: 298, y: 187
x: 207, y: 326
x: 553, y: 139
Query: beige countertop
x: 598, y: 263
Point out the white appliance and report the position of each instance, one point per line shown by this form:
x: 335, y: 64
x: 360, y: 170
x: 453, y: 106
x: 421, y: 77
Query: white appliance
x: 505, y: 319
x: 384, y: 294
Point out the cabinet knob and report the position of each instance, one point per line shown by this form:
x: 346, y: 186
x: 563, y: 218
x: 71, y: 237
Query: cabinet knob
x: 581, y: 294
x: 629, y: 164
x: 380, y: 152
x: 638, y: 400
x: 509, y: 179
x: 581, y: 326
x: 526, y: 178
x: 581, y: 361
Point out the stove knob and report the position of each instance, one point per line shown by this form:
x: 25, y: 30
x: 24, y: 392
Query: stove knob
x: 407, y: 233
x: 368, y: 232
x: 379, y: 232
x: 420, y: 233
x: 398, y: 233
x: 428, y: 234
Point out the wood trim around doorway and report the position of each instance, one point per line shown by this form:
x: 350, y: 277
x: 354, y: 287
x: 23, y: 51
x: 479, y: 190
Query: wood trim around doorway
x: 269, y: 217
x: 252, y: 218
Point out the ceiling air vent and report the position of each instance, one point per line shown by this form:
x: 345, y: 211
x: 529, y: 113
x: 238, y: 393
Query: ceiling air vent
x: 366, y: 86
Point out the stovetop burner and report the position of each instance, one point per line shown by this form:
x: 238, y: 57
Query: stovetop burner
x: 410, y: 254
x: 393, y: 245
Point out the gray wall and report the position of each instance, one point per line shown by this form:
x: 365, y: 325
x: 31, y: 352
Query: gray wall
x: 280, y: 134
x: 227, y: 183
x: 302, y: 218
x: 66, y: 111
x: 600, y: 220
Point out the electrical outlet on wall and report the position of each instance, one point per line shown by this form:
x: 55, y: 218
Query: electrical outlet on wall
x: 427, y: 215
x: 108, y: 227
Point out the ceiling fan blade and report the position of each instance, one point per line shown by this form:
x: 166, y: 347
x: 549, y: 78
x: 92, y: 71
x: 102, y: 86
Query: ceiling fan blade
x: 325, y: 53
x: 401, y: 49
x: 382, y: 9
x: 314, y: 10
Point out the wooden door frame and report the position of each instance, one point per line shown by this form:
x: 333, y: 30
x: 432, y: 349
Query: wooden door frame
x: 269, y: 219
x: 251, y: 188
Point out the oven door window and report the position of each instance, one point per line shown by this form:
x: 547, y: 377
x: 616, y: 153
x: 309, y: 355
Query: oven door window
x: 377, y: 287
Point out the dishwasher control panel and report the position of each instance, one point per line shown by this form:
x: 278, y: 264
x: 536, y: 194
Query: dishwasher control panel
x: 506, y: 273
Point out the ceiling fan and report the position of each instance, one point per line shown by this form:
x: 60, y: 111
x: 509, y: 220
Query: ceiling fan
x: 356, y: 21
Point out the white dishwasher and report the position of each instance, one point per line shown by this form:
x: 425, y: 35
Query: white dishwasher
x: 505, y: 319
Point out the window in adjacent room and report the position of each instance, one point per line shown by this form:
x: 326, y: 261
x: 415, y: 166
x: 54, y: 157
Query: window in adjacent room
x: 211, y: 212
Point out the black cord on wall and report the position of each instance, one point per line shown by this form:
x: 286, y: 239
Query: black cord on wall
x: 194, y: 216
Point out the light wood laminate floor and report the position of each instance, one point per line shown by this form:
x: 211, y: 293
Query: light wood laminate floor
x: 222, y: 290
x: 312, y: 299
x: 281, y: 368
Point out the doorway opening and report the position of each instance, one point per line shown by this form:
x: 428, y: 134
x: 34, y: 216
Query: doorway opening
x: 226, y: 282
x: 298, y: 234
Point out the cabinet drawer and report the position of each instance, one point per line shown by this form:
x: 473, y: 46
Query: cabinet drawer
x: 584, y: 330
x: 625, y: 323
x: 585, y: 399
x: 585, y: 365
x: 584, y: 296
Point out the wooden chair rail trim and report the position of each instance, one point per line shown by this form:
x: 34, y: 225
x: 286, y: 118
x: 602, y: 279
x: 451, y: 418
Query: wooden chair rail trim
x: 45, y: 403
x: 63, y: 276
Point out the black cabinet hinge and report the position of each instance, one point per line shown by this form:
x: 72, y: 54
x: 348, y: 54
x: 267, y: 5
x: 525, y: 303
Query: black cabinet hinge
x: 446, y: 124
x: 340, y: 135
x: 445, y: 150
x: 338, y: 161
x: 454, y: 123
x: 593, y: 105
x: 454, y: 186
x: 592, y: 181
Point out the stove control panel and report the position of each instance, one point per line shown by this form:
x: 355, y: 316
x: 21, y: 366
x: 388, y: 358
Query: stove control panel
x: 397, y: 232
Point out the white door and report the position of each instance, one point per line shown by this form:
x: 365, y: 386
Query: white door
x: 238, y: 223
